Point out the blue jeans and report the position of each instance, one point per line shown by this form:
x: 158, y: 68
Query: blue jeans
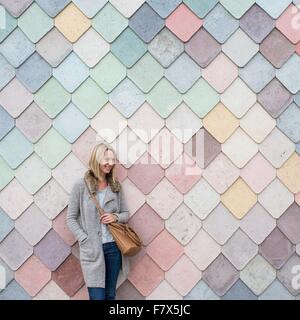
x: 113, y: 261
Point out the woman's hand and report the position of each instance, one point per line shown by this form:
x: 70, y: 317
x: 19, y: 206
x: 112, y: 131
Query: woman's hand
x: 108, y: 218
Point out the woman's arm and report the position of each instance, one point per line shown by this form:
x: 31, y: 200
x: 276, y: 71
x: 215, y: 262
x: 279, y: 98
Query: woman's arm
x: 73, y: 213
x: 123, y: 215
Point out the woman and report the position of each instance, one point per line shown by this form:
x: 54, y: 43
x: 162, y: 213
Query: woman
x: 100, y: 258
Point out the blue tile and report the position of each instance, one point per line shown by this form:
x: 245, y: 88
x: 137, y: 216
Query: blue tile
x: 274, y: 8
x: 298, y: 148
x: 276, y: 291
x: 52, y: 7
x: 71, y: 123
x: 201, y: 291
x: 6, y: 122
x: 297, y: 98
x: 146, y: 23
x: 10, y: 25
x: 201, y: 7
x: 16, y: 48
x: 6, y: 224
x: 239, y: 291
x: 34, y: 72
x: 164, y: 8
x: 7, y: 72
x: 14, y: 292
x: 289, y: 122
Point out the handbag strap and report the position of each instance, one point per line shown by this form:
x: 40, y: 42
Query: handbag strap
x: 100, y: 210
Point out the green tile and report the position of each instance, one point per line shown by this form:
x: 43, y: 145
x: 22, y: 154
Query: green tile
x: 6, y: 174
x: 109, y: 22
x: 201, y: 7
x: 237, y: 8
x: 201, y: 98
x: 164, y: 98
x: 52, y: 148
x: 35, y: 23
x: 108, y: 73
x: 52, y: 98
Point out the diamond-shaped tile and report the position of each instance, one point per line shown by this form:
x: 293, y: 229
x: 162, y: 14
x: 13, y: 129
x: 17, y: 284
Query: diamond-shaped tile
x: 236, y: 8
x: 68, y: 171
x: 33, y: 275
x: 127, y: 291
x: 286, y: 275
x: 11, y: 24
x: 183, y: 22
x: 275, y: 98
x: 239, y: 291
x: 276, y: 198
x: 164, y: 8
x: 52, y: 250
x: 239, y: 198
x: 257, y: 73
x: 289, y: 122
x: 220, y: 23
x: 238, y: 98
x: 52, y: 8
x: 239, y: 148
x: 16, y: 48
x: 164, y: 98
x: 35, y: 23
x: 33, y: 114
x: 202, y: 47
x: 52, y: 148
x: 72, y: 23
x: 287, y: 75
x: 51, y: 199
x: 220, y: 275
x: 258, y: 274
x: 146, y: 73
x: 164, y: 291
x: 7, y: 72
x: 71, y: 123
x: 183, y: 73
x: 146, y: 23
x: 183, y: 282
x: 276, y: 9
x: 6, y: 174
x: 276, y: 291
x: 89, y: 98
x: 6, y: 122
x: 258, y: 173
x: 127, y: 98
x: 51, y: 292
x: 239, y: 249
x: 33, y: 173
x: 90, y: 8
x: 9, y: 275
x: 91, y: 48
x: 201, y: 98
x: 69, y: 276
x: 277, y: 148
x: 127, y: 8
x: 33, y: 224
x: 277, y: 48
x: 164, y: 198
x: 258, y: 223
x: 14, y: 292
x: 16, y: 8
x: 183, y: 224
x: 34, y: 72
x: 257, y: 23
x: 201, y: 291
x: 289, y: 223
x: 108, y: 72
x: 220, y: 224
x: 289, y: 173
x: 220, y: 73
x: 6, y: 226
x: 220, y: 122
x: 71, y: 72
x: 202, y: 199
x: 109, y: 22
x: 15, y: 250
x: 165, y: 250
x: 22, y: 148
x: 128, y: 48
x: 221, y: 173
x: 276, y: 248
x: 165, y: 47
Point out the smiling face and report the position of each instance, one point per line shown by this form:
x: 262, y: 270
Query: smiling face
x: 107, y: 162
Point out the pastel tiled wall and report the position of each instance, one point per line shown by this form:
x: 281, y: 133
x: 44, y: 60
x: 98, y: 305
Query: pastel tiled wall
x: 226, y: 73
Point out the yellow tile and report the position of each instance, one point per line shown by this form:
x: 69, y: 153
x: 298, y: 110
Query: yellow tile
x: 72, y: 23
x: 239, y: 198
x: 289, y: 173
x: 220, y: 122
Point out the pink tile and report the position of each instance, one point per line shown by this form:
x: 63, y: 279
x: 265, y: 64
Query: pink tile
x: 165, y: 250
x: 146, y: 223
x: 33, y: 275
x: 127, y: 291
x: 146, y: 275
x: 298, y: 48
x: 288, y: 23
x: 184, y: 173
x: 183, y: 23
x: 82, y: 294
x: 121, y: 172
x: 184, y: 275
x: 15, y: 98
x: 60, y: 226
x: 258, y: 173
x: 145, y: 173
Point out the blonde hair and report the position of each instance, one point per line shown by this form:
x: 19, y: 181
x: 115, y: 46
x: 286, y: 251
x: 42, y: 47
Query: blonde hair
x: 97, y: 155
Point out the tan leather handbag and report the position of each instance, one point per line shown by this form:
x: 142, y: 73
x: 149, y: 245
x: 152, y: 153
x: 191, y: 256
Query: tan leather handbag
x: 125, y: 237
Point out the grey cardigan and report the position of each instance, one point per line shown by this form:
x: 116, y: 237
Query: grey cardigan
x: 83, y: 222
